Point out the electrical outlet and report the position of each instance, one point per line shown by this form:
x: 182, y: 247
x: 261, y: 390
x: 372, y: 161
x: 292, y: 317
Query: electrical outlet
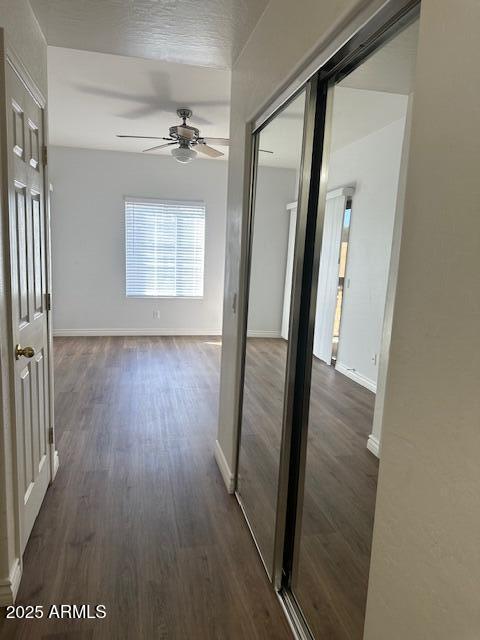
x: 156, y: 314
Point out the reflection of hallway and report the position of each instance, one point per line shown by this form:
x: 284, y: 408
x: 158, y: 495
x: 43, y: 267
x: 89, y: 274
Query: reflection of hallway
x: 138, y: 518
x: 340, y: 485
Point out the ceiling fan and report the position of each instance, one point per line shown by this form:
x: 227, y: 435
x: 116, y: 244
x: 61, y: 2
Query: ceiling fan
x: 187, y: 140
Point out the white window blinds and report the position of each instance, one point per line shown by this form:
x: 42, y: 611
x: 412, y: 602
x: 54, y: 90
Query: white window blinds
x: 165, y: 247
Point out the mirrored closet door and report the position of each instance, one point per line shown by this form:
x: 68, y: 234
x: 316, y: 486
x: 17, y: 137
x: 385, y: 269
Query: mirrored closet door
x: 273, y: 225
x: 335, y: 522
x: 322, y: 277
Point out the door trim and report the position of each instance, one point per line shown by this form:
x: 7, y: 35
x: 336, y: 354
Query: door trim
x: 22, y: 72
x: 250, y: 179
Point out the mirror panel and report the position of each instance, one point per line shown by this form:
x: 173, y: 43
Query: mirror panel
x: 271, y: 266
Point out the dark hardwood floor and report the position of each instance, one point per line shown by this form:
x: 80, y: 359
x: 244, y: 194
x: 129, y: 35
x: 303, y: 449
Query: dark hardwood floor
x: 331, y: 580
x: 259, y: 459
x: 331, y: 576
x: 138, y: 518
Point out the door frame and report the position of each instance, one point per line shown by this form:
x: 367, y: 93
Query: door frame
x: 345, y: 193
x: 365, y: 34
x: 11, y: 526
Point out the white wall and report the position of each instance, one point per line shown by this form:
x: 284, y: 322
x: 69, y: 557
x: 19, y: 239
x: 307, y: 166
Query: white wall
x: 23, y: 34
x: 425, y: 569
x: 275, y: 189
x: 372, y: 165
x: 88, y: 241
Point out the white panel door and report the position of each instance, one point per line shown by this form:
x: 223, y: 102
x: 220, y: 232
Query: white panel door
x: 28, y: 276
x: 328, y: 277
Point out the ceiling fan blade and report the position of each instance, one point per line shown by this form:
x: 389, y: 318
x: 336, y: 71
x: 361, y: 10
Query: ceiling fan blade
x: 222, y: 142
x: 160, y: 146
x: 121, y: 135
x: 265, y: 151
x: 185, y: 132
x: 208, y: 151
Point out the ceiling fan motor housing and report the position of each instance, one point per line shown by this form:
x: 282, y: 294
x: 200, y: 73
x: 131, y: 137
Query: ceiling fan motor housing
x: 184, y: 114
x: 175, y: 134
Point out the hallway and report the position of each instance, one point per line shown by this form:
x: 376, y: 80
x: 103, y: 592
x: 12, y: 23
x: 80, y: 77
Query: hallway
x: 138, y: 518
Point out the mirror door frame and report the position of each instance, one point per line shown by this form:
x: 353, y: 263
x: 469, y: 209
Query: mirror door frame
x: 363, y: 40
x: 310, y: 94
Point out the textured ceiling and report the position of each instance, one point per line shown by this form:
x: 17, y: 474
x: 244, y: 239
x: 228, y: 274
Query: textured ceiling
x: 93, y: 96
x: 208, y: 33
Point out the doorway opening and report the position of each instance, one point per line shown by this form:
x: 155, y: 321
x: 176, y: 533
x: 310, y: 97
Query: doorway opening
x: 342, y: 271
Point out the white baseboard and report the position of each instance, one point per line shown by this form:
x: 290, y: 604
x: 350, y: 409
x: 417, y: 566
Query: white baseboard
x: 356, y: 377
x: 225, y: 470
x: 136, y: 332
x: 56, y: 464
x: 9, y: 586
x: 373, y: 445
x: 263, y: 334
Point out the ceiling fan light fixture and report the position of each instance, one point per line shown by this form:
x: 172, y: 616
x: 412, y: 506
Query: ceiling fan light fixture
x: 183, y: 154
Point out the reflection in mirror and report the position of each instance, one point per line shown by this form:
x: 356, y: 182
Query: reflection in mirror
x: 271, y: 264
x: 334, y: 534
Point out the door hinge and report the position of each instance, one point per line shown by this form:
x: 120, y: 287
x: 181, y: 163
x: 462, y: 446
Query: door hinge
x: 48, y: 301
x: 45, y: 155
x: 51, y: 439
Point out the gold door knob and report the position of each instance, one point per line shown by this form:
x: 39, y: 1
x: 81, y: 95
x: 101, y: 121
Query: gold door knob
x: 27, y: 352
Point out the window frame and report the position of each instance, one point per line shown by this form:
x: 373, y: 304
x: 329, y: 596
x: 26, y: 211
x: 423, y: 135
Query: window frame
x: 146, y: 200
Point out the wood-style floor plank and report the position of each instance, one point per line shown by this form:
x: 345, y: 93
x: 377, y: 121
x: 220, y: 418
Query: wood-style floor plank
x: 138, y: 517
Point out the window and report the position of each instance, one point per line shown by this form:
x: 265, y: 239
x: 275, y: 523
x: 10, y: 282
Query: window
x: 165, y: 247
